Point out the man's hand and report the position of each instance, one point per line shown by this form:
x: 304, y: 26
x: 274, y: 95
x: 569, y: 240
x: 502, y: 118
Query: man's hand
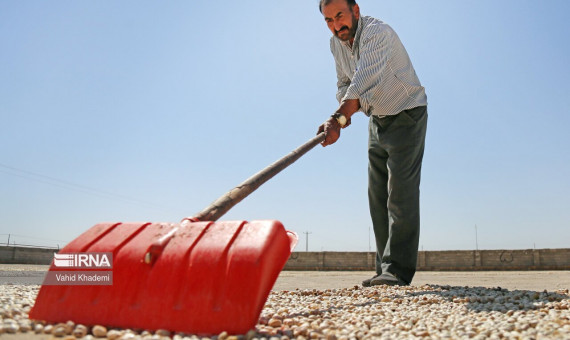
x: 332, y: 131
x: 332, y: 127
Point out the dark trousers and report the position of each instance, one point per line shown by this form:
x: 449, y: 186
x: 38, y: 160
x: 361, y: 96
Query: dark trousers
x: 395, y: 153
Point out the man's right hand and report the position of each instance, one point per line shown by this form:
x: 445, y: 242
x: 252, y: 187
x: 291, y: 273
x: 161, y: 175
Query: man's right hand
x: 331, y: 128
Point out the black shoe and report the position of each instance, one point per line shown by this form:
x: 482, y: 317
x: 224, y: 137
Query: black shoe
x: 366, y: 283
x: 389, y: 279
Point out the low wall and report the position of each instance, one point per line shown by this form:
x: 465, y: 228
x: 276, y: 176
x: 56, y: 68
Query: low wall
x: 26, y: 255
x: 447, y: 260
x: 325, y: 260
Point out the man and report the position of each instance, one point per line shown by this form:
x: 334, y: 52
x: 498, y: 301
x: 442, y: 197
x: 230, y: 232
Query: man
x: 376, y: 76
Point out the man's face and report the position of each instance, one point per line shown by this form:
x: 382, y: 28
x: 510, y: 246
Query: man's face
x: 341, y: 19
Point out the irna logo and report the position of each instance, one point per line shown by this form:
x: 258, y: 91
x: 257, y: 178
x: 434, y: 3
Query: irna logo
x: 83, y: 260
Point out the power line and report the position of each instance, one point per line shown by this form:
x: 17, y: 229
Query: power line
x: 13, y: 171
x: 41, y: 242
x: 33, y: 237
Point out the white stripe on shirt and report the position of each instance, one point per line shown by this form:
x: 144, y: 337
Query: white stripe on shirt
x: 376, y: 70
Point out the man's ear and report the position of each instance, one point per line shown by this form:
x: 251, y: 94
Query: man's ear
x: 356, y: 11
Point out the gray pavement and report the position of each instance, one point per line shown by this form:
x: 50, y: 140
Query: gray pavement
x: 321, y: 280
x: 22, y: 274
x: 521, y: 280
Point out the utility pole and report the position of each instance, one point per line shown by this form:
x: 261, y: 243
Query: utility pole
x: 307, y: 240
x: 476, y: 241
x: 8, y: 239
x: 369, y: 249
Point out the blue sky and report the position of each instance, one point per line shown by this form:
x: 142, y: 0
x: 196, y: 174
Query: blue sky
x: 149, y: 111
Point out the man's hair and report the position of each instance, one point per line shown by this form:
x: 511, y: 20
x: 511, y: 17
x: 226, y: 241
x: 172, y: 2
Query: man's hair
x: 323, y: 3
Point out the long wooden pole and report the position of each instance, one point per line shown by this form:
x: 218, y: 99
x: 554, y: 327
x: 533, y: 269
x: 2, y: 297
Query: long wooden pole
x: 234, y: 196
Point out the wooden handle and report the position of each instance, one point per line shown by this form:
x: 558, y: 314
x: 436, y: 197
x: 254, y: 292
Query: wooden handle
x: 234, y: 196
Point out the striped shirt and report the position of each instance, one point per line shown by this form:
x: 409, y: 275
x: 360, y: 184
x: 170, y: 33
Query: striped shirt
x: 376, y: 70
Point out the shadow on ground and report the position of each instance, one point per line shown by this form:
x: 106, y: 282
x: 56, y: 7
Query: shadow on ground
x: 497, y: 299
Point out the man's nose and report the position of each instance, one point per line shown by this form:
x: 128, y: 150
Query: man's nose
x: 338, y: 25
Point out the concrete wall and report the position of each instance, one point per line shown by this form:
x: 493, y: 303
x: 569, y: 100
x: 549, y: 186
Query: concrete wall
x: 527, y: 259
x: 326, y: 260
x: 25, y: 255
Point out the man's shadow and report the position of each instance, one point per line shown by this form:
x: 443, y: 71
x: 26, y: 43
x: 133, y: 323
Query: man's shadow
x: 484, y: 299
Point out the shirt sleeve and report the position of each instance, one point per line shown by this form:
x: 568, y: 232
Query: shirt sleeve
x: 374, y: 52
x: 343, y: 81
